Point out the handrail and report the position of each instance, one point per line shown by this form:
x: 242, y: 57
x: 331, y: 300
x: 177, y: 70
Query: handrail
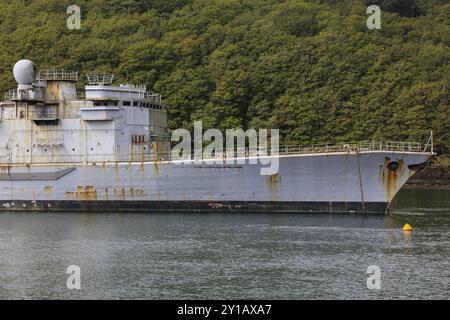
x: 53, y: 74
x: 363, y: 146
x: 99, y: 79
x: 149, y: 155
x: 156, y: 98
x: 11, y: 94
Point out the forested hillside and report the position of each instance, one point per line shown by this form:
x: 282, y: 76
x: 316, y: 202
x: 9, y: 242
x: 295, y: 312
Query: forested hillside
x: 308, y: 67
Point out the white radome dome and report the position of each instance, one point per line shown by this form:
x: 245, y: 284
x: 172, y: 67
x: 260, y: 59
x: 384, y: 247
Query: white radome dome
x: 25, y: 72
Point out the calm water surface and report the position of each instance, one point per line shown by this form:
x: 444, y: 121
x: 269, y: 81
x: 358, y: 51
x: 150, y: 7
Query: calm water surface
x: 220, y: 256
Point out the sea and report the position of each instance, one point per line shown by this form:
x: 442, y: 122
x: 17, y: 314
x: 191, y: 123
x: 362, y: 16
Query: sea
x: 230, y: 256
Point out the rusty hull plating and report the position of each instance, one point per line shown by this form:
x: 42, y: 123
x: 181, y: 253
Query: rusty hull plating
x: 305, y: 183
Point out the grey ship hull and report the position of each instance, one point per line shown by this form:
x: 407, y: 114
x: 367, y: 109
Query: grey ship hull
x: 340, y: 182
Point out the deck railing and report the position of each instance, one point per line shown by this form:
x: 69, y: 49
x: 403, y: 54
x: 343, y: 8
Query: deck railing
x: 95, y: 79
x: 11, y: 95
x: 357, y: 146
x: 57, y: 75
x: 154, y: 98
x: 364, y: 146
x: 149, y: 155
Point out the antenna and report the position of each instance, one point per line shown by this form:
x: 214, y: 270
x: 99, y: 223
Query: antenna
x: 25, y: 72
x: 430, y: 143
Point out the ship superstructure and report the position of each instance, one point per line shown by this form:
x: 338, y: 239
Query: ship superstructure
x: 46, y: 121
x: 109, y: 149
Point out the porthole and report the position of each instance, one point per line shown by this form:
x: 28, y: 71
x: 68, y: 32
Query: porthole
x: 393, y: 165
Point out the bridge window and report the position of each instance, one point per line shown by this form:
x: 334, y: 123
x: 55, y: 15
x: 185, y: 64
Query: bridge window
x: 126, y: 103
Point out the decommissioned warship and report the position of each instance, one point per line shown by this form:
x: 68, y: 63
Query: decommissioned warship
x: 107, y: 149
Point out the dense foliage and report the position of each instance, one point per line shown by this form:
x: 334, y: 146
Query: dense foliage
x: 308, y: 67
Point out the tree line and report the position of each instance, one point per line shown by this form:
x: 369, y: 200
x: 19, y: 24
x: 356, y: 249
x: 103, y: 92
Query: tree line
x: 308, y: 67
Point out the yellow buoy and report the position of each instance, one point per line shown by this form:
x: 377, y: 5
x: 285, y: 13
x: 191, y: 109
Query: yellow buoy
x: 407, y: 227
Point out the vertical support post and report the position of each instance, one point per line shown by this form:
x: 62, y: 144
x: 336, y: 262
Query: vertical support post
x: 431, y: 141
x: 31, y: 142
x: 358, y: 168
